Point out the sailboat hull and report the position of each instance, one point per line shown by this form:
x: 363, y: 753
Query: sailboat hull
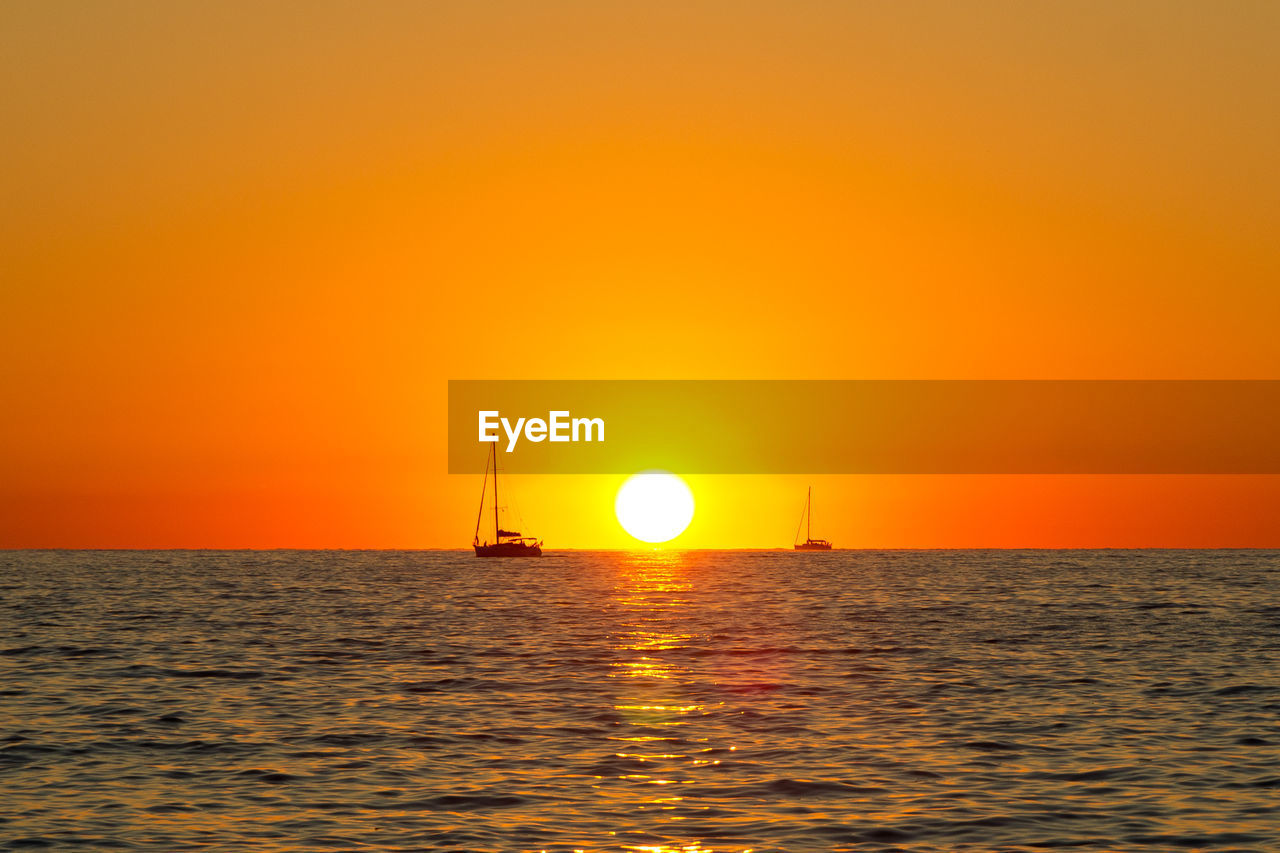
x: 508, y: 549
x: 516, y: 545
x: 809, y: 543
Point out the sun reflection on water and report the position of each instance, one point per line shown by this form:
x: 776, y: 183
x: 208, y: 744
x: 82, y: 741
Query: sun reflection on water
x: 657, y: 698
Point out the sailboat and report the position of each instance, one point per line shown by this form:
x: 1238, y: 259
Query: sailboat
x: 506, y: 543
x: 809, y: 543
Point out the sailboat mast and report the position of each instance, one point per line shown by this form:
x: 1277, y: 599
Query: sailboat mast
x: 484, y: 484
x: 808, y: 514
x: 497, y: 535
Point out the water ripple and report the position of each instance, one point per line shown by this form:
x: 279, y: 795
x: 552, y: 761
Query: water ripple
x: 658, y: 701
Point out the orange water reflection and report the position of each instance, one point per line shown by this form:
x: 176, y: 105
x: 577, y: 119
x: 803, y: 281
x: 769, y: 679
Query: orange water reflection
x: 660, y: 746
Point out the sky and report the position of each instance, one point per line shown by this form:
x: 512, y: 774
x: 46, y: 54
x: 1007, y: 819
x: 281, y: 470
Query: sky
x: 244, y: 246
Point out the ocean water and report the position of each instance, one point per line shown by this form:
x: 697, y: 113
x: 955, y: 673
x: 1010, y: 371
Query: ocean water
x: 656, y: 701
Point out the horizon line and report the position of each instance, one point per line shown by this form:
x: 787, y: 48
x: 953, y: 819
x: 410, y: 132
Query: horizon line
x: 8, y: 549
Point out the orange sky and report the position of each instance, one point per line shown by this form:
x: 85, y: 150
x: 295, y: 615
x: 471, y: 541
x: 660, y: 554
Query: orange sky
x: 242, y: 249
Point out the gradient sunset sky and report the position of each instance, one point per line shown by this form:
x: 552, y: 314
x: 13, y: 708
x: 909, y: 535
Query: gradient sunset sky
x: 244, y: 246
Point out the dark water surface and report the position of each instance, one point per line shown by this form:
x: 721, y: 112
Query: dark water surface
x: 664, y: 701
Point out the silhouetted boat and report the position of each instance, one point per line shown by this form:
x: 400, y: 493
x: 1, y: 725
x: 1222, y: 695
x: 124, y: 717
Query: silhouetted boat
x: 506, y: 543
x: 806, y: 521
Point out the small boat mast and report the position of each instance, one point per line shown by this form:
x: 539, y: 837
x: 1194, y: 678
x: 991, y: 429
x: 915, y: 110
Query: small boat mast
x: 806, y: 520
x: 514, y: 545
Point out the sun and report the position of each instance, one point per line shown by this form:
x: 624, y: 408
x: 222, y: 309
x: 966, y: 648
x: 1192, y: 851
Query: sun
x: 654, y: 506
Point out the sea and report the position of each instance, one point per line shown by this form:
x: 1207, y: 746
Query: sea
x: 655, y: 701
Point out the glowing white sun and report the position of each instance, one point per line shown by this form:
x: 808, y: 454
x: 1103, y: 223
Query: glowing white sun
x: 654, y: 506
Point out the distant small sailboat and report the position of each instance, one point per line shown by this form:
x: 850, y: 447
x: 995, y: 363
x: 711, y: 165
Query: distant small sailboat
x: 806, y: 521
x: 506, y: 543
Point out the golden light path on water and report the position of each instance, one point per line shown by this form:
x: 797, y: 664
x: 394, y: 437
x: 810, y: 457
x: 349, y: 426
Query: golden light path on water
x: 654, y: 590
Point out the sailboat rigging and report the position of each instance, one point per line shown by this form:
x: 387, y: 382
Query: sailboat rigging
x: 806, y: 521
x: 506, y: 543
